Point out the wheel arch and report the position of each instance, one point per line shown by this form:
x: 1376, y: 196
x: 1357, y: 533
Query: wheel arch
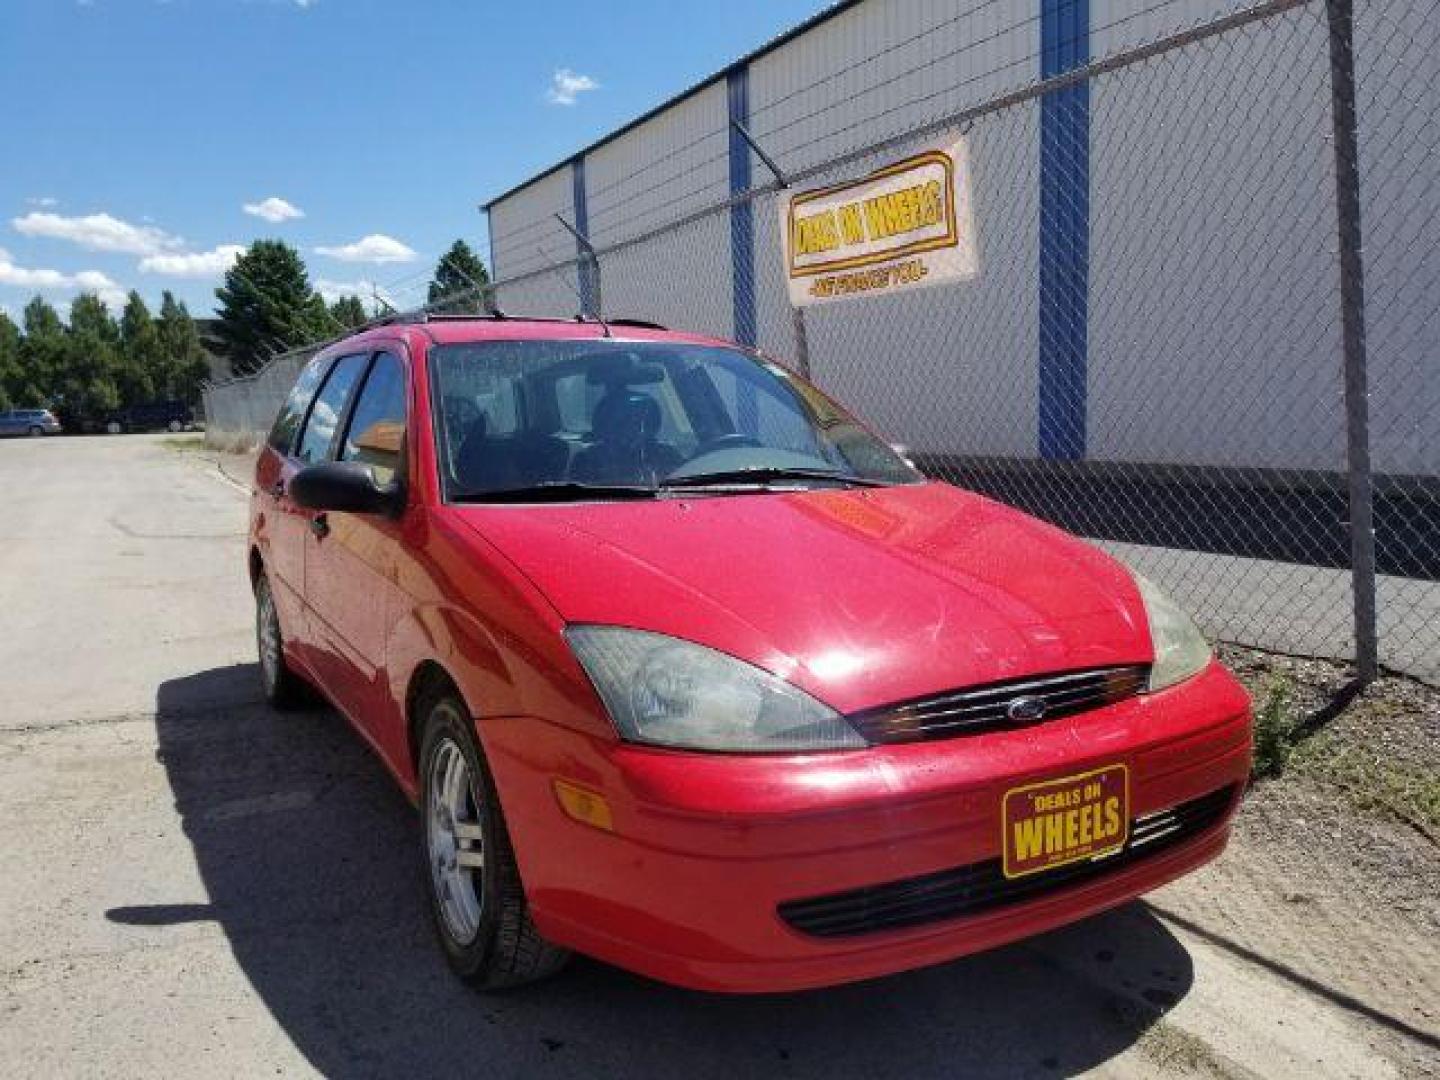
x: 428, y: 675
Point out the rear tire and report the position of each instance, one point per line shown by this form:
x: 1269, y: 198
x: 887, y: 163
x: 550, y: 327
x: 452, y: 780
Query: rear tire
x: 477, y: 902
x: 284, y: 690
x: 175, y: 427
x: 36, y: 432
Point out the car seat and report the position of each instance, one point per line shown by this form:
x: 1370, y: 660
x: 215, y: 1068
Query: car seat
x: 626, y: 451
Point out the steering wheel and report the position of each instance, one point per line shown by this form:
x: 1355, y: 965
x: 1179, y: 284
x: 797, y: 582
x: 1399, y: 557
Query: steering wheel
x: 728, y: 441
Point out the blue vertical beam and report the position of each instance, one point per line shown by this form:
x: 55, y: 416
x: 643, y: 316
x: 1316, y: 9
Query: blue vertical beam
x: 1064, y: 232
x: 584, y: 269
x: 742, y: 220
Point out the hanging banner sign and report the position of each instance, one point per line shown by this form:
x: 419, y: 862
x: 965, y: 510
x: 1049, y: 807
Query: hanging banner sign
x: 903, y: 227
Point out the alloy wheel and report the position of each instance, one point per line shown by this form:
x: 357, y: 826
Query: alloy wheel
x: 455, y: 840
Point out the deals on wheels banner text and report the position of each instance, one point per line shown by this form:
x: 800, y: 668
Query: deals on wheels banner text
x: 903, y: 227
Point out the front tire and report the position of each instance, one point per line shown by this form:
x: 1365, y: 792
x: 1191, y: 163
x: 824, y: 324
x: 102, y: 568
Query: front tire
x: 175, y: 427
x: 476, y: 899
x: 284, y: 689
x: 36, y: 432
x: 113, y: 428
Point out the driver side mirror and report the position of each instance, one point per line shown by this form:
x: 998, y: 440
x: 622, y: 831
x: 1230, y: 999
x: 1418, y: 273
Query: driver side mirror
x: 348, y: 486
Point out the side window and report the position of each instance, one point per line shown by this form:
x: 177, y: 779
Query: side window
x: 287, y: 423
x: 329, y: 407
x: 376, y: 434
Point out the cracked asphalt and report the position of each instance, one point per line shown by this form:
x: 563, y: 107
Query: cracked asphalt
x: 195, y: 885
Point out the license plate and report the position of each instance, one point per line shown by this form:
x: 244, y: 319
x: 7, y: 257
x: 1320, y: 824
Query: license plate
x: 1055, y: 822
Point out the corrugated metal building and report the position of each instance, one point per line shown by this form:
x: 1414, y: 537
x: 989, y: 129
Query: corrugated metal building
x: 1158, y: 276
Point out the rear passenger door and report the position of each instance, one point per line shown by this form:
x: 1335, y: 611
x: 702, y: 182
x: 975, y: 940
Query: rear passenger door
x: 350, y: 563
x: 278, y: 530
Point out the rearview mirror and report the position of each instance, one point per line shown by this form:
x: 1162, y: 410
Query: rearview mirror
x: 345, y: 485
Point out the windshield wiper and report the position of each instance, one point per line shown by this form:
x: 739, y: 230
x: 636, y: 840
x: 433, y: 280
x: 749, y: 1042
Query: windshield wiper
x: 765, y: 474
x: 558, y: 491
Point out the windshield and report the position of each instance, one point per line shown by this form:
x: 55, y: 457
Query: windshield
x: 591, y: 419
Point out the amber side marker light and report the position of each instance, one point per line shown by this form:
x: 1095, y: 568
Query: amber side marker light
x: 584, y: 806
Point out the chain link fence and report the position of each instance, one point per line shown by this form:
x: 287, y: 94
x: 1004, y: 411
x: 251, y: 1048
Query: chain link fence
x: 1257, y: 285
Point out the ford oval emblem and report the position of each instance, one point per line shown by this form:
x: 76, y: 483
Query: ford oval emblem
x: 1025, y: 710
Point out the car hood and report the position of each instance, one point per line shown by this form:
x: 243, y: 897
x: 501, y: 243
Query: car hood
x: 860, y: 596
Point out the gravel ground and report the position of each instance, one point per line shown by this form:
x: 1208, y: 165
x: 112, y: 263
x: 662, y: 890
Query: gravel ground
x: 1333, y: 875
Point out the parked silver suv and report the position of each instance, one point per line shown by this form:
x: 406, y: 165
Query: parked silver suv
x: 29, y: 422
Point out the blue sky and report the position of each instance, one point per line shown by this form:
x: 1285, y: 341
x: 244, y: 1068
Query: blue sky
x: 139, y: 131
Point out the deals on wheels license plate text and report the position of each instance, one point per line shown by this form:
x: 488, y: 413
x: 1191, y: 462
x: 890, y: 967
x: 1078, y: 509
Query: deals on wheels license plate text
x: 1054, y: 822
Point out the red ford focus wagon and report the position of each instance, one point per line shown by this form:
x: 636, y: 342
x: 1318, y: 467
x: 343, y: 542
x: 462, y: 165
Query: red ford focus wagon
x: 689, y: 671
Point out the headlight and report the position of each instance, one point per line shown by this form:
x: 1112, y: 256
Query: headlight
x: 669, y: 692
x: 1180, y: 649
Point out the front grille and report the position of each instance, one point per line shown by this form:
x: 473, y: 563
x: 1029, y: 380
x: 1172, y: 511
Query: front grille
x: 969, y: 890
x: 985, y: 707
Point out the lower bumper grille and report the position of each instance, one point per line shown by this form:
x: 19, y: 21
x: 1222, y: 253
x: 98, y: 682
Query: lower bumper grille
x: 969, y: 890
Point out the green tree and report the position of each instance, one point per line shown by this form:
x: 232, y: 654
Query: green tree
x: 42, y: 355
x: 267, y: 306
x: 12, y: 386
x: 88, y: 382
x: 349, y: 312
x: 455, y: 288
x: 186, y: 363
x: 42, y: 320
x: 143, y: 366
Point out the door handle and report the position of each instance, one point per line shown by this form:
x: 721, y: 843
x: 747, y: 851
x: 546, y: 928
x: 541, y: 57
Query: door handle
x: 320, y: 526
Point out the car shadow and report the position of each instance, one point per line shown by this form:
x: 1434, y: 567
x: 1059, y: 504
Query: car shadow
x: 308, y: 855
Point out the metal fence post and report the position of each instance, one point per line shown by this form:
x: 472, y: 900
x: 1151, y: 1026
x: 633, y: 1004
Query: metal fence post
x: 802, y: 342
x: 1341, y: 16
x: 797, y: 314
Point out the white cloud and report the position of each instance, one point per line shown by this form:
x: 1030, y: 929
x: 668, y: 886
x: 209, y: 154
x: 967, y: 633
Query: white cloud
x: 24, y: 278
x: 45, y: 202
x: 330, y: 291
x: 274, y: 210
x: 566, y: 84
x: 98, y: 232
x: 47, y: 280
x: 374, y: 248
x: 195, y: 264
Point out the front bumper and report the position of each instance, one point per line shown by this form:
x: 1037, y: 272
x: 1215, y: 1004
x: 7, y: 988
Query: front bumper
x: 705, y: 849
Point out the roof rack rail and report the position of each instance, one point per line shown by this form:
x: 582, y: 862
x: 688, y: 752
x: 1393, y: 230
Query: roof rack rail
x: 640, y: 324
x: 404, y: 318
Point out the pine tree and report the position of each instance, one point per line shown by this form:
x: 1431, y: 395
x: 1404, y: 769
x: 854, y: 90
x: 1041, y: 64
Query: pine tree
x: 142, y: 374
x: 42, y: 355
x: 348, y: 312
x: 42, y: 320
x: 11, y: 382
x: 88, y: 383
x: 186, y: 364
x: 267, y: 306
x: 456, y: 287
